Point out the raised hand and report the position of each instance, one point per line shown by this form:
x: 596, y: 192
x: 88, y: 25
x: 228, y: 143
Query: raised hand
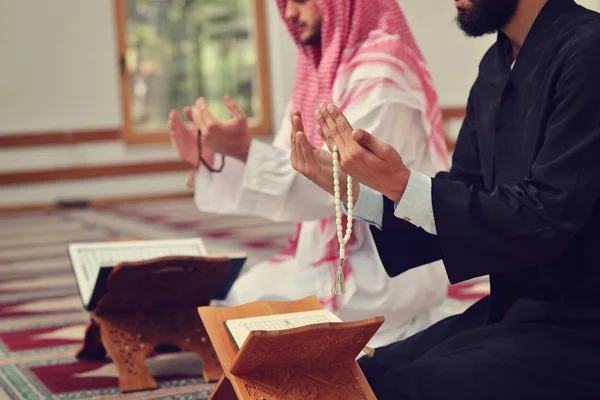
x: 304, y: 156
x: 231, y: 138
x: 368, y: 160
x: 314, y: 163
x: 184, y: 139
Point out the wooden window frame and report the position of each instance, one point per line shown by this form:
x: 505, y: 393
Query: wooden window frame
x: 261, y: 127
x: 449, y: 114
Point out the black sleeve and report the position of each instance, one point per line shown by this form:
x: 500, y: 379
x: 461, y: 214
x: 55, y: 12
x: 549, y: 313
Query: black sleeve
x: 401, y: 245
x: 531, y: 222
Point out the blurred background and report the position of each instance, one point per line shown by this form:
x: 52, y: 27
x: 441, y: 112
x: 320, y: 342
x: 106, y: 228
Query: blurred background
x: 86, y: 86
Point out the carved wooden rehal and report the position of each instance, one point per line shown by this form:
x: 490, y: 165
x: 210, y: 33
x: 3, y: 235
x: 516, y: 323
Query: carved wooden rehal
x: 152, y: 303
x: 314, y: 362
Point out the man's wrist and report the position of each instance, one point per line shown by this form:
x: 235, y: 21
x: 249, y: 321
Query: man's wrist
x: 398, y: 188
x: 324, y: 180
x: 243, y: 151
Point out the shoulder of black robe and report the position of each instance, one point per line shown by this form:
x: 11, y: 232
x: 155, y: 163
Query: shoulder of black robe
x: 486, y: 226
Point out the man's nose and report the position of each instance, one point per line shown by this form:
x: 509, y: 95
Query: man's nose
x: 291, y: 14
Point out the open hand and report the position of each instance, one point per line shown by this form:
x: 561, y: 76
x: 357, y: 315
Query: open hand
x: 231, y: 138
x: 183, y: 139
x: 314, y: 163
x: 185, y: 142
x: 306, y: 158
x: 368, y: 160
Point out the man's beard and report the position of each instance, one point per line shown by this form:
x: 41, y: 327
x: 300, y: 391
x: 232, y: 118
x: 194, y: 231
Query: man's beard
x: 315, y: 38
x: 486, y: 16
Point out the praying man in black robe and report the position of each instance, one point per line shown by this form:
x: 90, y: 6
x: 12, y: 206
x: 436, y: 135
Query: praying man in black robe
x: 521, y: 204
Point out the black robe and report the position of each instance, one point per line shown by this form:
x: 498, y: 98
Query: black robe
x: 520, y: 204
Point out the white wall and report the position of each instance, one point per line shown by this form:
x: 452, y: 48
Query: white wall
x: 591, y: 4
x: 452, y: 57
x: 282, y: 56
x: 58, y: 64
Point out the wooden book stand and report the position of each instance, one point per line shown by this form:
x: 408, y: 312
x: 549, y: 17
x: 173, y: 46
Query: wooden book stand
x: 153, y: 303
x: 312, y: 362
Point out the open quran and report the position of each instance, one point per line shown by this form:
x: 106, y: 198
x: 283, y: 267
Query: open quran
x: 239, y: 329
x: 93, y: 262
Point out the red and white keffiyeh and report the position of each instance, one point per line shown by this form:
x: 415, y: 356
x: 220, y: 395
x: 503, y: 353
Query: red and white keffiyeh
x: 368, y: 55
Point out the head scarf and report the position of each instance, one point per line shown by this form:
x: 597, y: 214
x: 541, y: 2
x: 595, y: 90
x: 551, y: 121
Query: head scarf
x: 368, y: 34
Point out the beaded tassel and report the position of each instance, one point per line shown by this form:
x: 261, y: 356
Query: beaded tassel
x: 338, y: 283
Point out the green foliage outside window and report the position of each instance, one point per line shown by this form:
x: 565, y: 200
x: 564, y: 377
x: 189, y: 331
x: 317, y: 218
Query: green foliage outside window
x: 178, y: 50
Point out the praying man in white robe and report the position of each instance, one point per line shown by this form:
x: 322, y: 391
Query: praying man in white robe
x: 364, y: 59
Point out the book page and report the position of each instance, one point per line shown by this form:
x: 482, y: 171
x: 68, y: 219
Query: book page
x: 88, y: 258
x: 240, y: 329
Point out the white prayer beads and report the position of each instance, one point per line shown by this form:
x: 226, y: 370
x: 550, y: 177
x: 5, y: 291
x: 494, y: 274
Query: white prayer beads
x: 338, y: 284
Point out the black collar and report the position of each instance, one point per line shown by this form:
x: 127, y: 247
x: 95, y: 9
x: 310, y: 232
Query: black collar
x: 541, y: 30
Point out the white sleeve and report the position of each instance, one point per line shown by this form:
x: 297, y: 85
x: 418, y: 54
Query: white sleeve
x: 219, y: 192
x: 266, y: 186
x: 368, y: 207
x: 401, y: 127
x: 415, y: 205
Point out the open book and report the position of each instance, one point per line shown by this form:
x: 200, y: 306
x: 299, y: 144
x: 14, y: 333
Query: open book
x: 239, y: 329
x: 93, y: 262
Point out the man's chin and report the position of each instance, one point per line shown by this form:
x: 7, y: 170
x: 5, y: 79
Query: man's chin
x: 471, y: 28
x: 486, y: 17
x: 310, y: 40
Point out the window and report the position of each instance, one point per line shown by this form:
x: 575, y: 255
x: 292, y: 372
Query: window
x: 174, y: 51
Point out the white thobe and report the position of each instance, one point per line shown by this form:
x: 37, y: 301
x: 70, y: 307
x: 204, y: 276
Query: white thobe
x: 267, y: 186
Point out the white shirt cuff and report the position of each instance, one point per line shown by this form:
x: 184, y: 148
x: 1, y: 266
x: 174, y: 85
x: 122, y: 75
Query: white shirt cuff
x: 415, y: 206
x: 368, y: 207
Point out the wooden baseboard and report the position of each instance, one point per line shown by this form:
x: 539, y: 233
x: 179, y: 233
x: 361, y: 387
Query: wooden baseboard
x: 449, y: 113
x: 95, y: 203
x: 84, y: 172
x: 453, y: 113
x: 58, y: 138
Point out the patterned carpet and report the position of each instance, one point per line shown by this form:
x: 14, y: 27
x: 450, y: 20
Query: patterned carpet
x: 41, y: 318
